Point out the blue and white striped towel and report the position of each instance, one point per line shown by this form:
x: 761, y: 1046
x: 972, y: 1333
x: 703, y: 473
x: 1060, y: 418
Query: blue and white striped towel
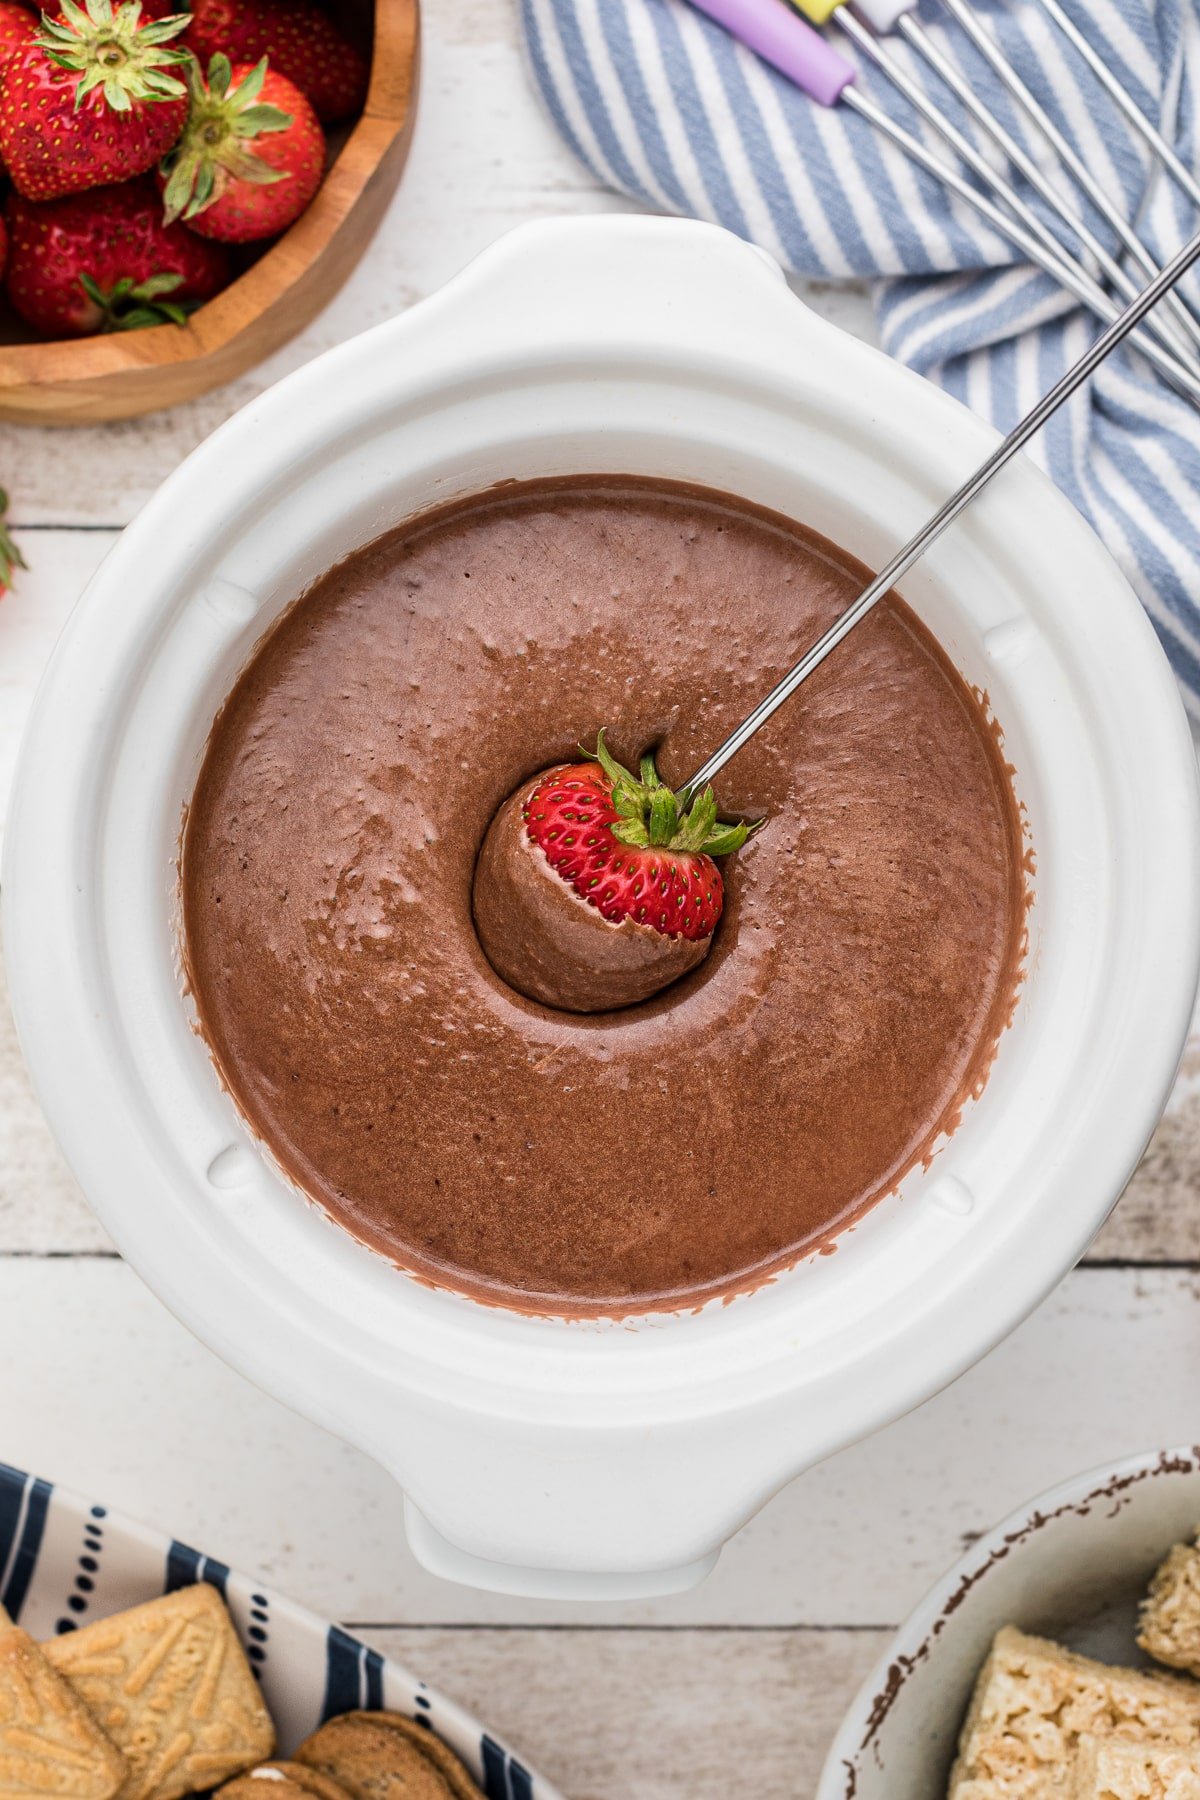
x: 661, y: 103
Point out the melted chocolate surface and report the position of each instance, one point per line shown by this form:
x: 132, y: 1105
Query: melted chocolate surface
x: 688, y: 1146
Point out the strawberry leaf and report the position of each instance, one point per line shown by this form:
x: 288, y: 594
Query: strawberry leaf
x: 220, y: 73
x: 111, y: 51
x: 132, y: 306
x: 664, y: 816
x: 650, y: 814
x: 257, y: 119
x: 10, y: 557
x: 213, y: 151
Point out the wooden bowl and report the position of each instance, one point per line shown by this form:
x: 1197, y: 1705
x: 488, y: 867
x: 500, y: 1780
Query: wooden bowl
x: 86, y: 381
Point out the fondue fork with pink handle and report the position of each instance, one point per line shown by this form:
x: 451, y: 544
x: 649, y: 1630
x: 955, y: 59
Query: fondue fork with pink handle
x: 786, y: 41
x: 930, y: 532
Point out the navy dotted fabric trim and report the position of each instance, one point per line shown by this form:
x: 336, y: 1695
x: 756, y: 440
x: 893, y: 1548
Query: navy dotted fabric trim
x: 87, y: 1563
x: 354, y: 1676
x: 257, y: 1631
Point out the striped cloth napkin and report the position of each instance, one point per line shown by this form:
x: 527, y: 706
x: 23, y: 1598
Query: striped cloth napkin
x: 662, y: 104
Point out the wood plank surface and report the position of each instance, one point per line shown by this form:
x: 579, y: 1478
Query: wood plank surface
x: 739, y: 1685
x: 655, y: 1715
x: 105, y: 1392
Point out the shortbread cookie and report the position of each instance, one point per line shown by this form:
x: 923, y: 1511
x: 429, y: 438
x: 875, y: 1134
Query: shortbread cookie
x: 1115, y: 1769
x: 1169, y: 1629
x: 171, y: 1686
x: 49, y: 1741
x: 1033, y: 1703
x: 373, y: 1762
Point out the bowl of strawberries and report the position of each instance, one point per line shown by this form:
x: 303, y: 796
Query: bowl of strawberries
x: 183, y: 188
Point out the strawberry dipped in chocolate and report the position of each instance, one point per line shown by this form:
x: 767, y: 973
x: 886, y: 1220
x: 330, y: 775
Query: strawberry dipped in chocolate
x: 596, y: 888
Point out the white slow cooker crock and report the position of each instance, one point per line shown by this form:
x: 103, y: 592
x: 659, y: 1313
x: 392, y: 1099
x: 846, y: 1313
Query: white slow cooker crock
x: 611, y: 1458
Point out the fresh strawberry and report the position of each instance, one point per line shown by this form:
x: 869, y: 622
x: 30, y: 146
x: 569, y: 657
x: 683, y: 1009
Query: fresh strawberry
x: 221, y: 186
x: 627, y: 847
x: 91, y: 99
x: 106, y: 261
x: 10, y: 556
x: 298, y: 39
x: 18, y: 27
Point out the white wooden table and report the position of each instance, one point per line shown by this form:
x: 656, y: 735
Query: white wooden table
x: 738, y: 1686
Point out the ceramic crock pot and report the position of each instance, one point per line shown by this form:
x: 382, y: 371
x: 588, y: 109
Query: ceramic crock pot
x: 608, y: 1458
x: 1072, y: 1566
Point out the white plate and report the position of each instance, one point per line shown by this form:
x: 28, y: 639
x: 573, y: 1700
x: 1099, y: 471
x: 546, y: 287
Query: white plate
x: 65, y: 1561
x: 1072, y: 1565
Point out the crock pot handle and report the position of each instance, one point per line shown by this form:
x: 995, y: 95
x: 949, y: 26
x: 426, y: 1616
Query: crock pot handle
x: 633, y: 278
x: 444, y: 1559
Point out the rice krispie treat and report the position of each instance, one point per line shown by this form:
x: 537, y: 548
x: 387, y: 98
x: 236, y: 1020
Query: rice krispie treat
x: 1114, y: 1769
x: 1170, y: 1619
x: 1035, y: 1701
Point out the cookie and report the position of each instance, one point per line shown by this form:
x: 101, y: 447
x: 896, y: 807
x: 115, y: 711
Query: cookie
x: 372, y: 1761
x: 171, y: 1686
x: 49, y: 1742
x: 284, y: 1781
x: 454, y: 1771
x: 263, y: 1783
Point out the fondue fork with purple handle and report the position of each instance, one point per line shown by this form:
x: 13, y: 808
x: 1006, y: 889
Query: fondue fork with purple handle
x: 933, y: 529
x: 786, y: 41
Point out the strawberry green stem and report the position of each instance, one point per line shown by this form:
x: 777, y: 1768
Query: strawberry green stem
x: 133, y: 305
x: 109, y: 48
x: 215, y: 148
x: 10, y: 557
x: 652, y: 815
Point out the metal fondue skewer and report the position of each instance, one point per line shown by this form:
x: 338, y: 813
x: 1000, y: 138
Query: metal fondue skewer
x: 930, y: 532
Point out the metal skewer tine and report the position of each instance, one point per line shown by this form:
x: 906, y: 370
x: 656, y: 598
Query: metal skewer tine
x: 870, y: 46
x: 1180, y: 375
x: 1125, y: 100
x: 790, y: 44
x: 1065, y: 208
x: 987, y: 46
x: 930, y: 532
